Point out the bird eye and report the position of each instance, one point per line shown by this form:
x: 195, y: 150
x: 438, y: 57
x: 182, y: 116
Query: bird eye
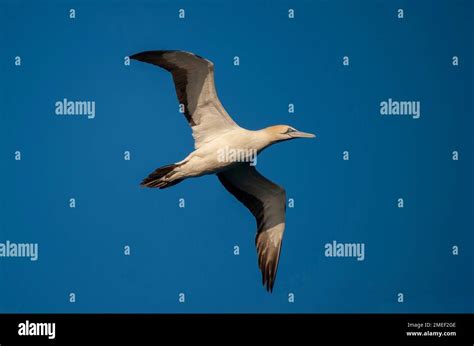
x: 289, y: 130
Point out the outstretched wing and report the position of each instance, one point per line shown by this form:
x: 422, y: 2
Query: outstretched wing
x: 193, y: 78
x: 267, y: 202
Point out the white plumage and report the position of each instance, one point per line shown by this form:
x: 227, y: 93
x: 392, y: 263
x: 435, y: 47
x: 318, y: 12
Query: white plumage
x: 213, y: 129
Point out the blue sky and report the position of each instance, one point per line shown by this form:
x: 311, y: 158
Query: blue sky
x: 190, y: 249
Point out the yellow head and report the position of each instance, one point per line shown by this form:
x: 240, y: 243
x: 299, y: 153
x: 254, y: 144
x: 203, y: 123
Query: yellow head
x: 279, y: 133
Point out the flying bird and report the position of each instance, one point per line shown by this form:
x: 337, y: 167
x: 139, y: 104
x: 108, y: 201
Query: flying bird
x: 213, y: 130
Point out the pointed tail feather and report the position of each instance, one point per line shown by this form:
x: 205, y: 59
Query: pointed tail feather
x: 161, y: 178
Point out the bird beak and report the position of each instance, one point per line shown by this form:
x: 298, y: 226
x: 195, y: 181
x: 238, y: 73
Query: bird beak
x: 299, y: 134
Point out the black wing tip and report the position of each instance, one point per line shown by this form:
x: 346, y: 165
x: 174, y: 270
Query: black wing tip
x: 268, y: 266
x: 155, y: 53
x: 268, y: 276
x: 268, y: 283
x: 144, y: 56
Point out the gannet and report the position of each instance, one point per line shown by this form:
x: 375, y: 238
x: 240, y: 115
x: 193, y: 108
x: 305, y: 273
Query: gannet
x: 213, y: 129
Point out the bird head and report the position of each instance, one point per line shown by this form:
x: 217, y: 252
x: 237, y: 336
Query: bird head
x: 285, y: 132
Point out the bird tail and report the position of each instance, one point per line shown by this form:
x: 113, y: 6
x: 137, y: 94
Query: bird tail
x: 162, y: 177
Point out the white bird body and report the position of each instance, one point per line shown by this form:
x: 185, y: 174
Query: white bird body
x: 215, y: 132
x: 205, y: 159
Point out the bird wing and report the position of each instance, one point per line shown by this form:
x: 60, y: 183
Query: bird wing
x: 193, y: 78
x: 267, y: 202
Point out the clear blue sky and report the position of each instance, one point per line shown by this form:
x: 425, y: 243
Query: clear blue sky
x: 282, y: 61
